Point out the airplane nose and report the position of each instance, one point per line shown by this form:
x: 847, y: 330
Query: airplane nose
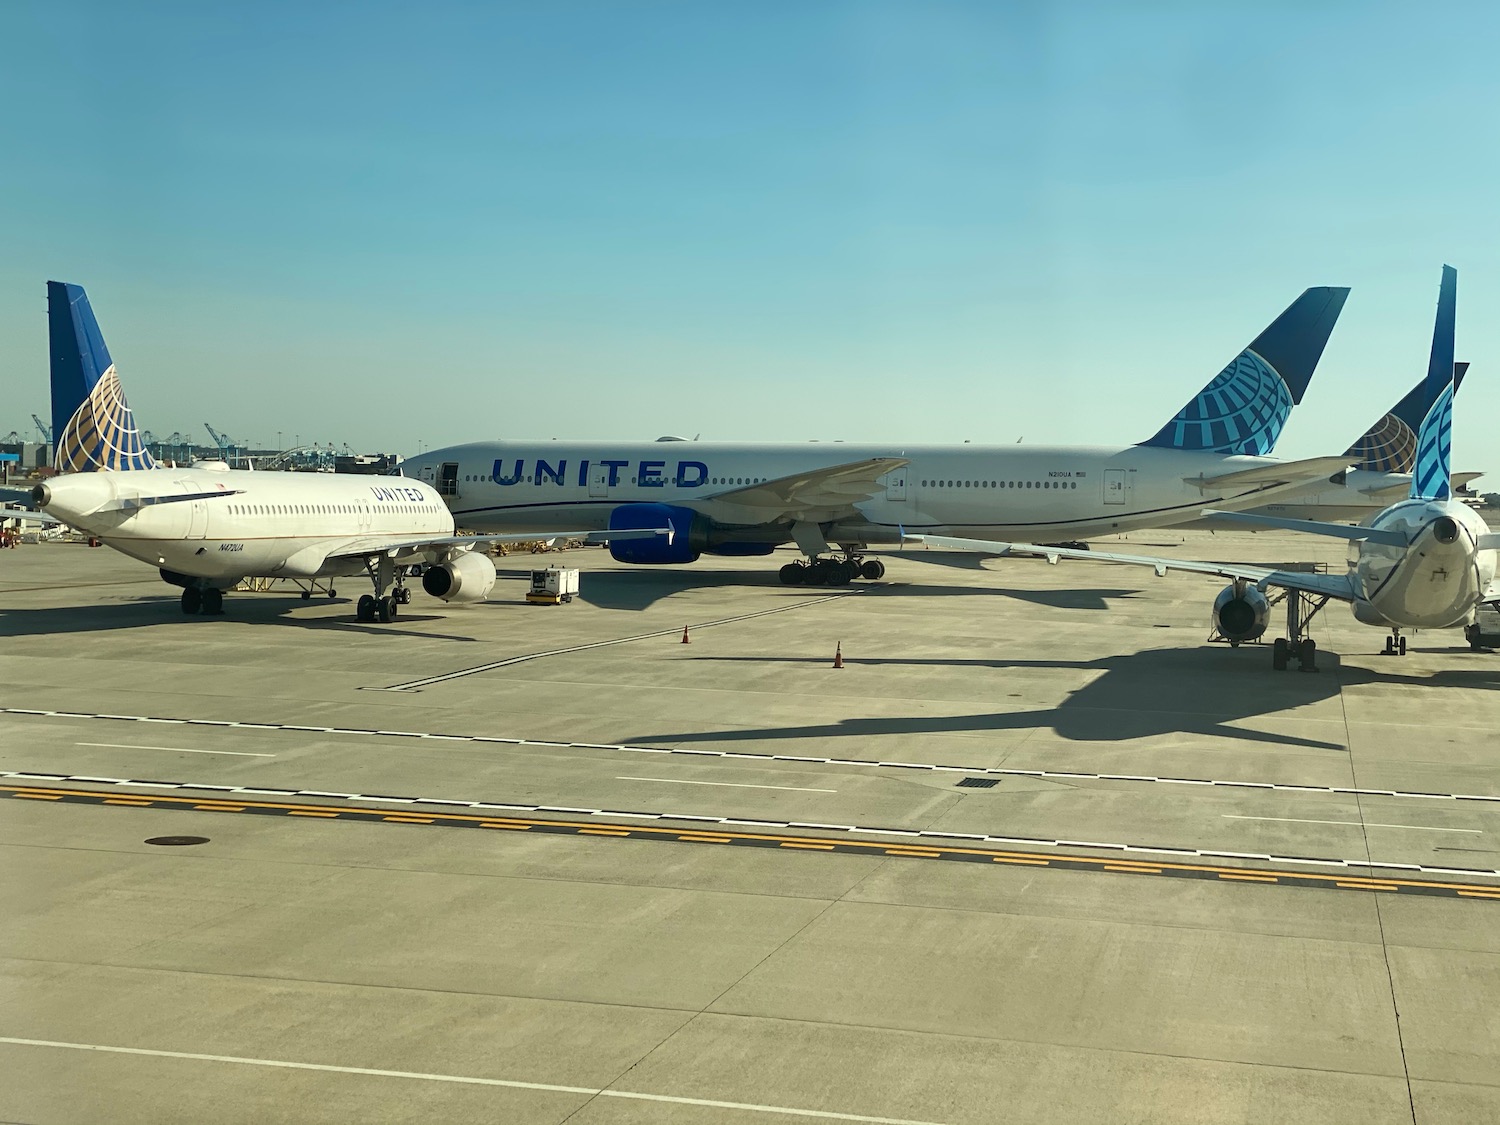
x: 1445, y: 529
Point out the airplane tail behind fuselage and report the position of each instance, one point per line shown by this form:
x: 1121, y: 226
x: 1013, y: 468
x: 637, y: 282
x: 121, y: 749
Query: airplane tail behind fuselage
x: 93, y: 425
x: 1390, y: 445
x: 1431, y: 475
x: 1243, y: 409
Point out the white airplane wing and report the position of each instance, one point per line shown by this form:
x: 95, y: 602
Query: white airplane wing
x: 1317, y: 469
x: 1340, y: 586
x: 369, y: 545
x: 822, y: 493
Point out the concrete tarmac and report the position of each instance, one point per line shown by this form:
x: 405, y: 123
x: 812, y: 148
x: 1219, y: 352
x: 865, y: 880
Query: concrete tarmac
x: 1038, y: 852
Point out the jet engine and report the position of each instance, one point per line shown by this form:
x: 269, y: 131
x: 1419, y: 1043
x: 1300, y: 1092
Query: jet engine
x: 687, y: 540
x: 1241, y: 613
x: 466, y: 578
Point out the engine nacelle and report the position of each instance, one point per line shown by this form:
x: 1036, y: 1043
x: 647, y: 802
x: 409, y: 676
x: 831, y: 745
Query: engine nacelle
x: 464, y: 579
x: 1241, y: 613
x: 686, y: 537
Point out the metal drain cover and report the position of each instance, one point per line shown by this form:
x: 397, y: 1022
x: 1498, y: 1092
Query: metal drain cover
x: 979, y: 783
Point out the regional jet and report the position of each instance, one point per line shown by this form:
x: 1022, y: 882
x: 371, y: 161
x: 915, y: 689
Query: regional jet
x: 739, y: 499
x: 1426, y: 562
x: 207, y: 529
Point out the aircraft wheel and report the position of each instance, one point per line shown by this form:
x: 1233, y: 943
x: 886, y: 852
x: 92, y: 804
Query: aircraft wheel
x: 1401, y: 646
x: 1280, y: 651
x: 873, y: 569
x: 1307, y: 655
x: 840, y: 573
x: 793, y: 574
x: 402, y: 595
x: 213, y: 602
x: 364, y: 609
x: 386, y: 609
x: 1473, y: 636
x: 306, y: 594
x: 192, y: 599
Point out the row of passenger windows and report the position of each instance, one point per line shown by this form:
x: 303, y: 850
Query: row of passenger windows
x: 999, y: 484
x: 665, y: 480
x: 323, y: 509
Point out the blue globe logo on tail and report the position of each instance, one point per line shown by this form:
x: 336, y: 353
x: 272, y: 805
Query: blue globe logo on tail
x: 1242, y: 411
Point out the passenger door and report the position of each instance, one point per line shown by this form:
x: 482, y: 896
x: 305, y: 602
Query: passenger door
x: 448, y: 480
x: 598, y: 482
x: 1115, y: 486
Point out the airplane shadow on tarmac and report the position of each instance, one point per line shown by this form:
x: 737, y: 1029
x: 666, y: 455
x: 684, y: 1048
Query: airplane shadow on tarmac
x: 639, y: 590
x: 150, y: 612
x: 1143, y: 695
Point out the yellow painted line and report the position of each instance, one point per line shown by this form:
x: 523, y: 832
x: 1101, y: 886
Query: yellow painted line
x: 1368, y: 886
x: 705, y: 839
x: 1065, y: 860
x: 220, y: 808
x: 1132, y: 870
x: 912, y: 852
x: 408, y: 819
x: 603, y: 832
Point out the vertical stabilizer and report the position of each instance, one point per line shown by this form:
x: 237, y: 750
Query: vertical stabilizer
x: 1431, y: 476
x: 1390, y: 445
x: 1246, y: 405
x: 92, y: 424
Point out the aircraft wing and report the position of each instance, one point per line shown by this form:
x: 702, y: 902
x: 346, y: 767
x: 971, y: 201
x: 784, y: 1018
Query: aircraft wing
x: 1312, y: 469
x: 365, y: 546
x: 818, y: 493
x: 1340, y: 586
x: 1313, y: 527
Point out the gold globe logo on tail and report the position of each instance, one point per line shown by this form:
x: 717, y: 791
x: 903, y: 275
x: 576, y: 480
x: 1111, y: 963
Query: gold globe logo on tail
x: 102, y: 433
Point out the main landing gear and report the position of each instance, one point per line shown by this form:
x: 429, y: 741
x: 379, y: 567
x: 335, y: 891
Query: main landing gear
x: 207, y: 600
x: 1300, y: 609
x: 832, y: 572
x: 380, y: 606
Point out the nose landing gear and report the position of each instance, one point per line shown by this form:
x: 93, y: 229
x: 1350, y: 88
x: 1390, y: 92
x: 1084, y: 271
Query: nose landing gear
x: 207, y: 600
x: 1395, y: 644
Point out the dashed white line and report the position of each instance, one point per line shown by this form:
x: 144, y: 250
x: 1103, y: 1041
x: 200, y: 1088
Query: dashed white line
x: 468, y: 1080
x: 1356, y: 863
x: 173, y: 749
x: 1355, y: 823
x: 728, y: 784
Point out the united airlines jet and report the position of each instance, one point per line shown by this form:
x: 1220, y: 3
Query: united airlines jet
x: 207, y: 529
x: 1426, y: 562
x: 737, y: 499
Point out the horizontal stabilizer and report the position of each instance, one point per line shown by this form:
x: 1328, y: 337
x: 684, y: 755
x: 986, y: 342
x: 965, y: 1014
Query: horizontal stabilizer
x: 1266, y: 476
x: 1312, y: 527
x: 134, y: 503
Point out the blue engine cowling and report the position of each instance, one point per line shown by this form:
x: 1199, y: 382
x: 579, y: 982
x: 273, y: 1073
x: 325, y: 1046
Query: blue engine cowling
x: 631, y: 517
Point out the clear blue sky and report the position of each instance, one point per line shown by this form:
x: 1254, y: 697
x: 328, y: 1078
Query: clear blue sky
x: 393, y: 224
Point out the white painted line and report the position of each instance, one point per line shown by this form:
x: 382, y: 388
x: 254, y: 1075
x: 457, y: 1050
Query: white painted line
x: 728, y: 784
x: 466, y: 1080
x: 174, y: 749
x: 1355, y: 823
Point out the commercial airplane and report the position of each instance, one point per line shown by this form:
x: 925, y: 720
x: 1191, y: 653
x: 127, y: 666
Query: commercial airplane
x: 1426, y: 562
x: 739, y: 499
x: 209, y: 528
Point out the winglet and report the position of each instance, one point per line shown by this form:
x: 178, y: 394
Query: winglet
x: 1245, y: 406
x: 1431, y: 477
x: 92, y: 424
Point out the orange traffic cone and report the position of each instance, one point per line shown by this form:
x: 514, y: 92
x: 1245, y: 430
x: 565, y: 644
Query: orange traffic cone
x: 685, y: 636
x: 838, y: 655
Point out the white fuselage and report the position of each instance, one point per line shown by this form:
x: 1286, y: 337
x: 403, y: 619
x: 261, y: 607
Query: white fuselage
x: 1437, y: 580
x: 267, y: 524
x: 1043, y: 493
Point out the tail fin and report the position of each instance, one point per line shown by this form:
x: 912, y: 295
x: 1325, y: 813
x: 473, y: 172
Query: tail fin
x: 92, y: 424
x: 1245, y: 406
x: 1390, y: 445
x: 1431, y: 477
